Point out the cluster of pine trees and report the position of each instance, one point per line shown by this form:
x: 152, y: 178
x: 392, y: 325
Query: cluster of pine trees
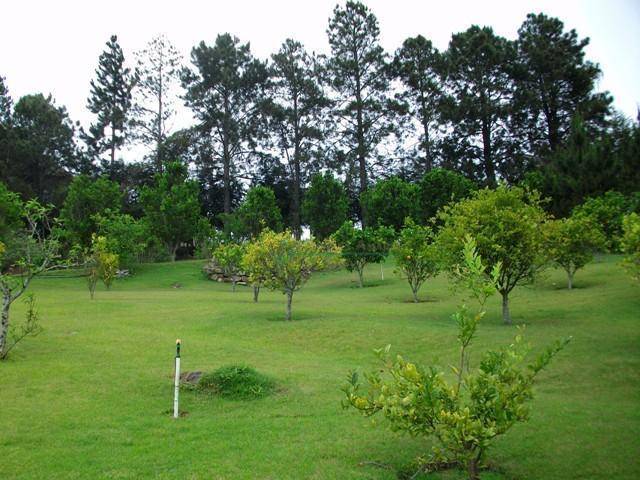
x: 524, y: 110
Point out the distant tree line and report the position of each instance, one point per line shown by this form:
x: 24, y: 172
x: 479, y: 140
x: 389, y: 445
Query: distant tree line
x: 333, y: 137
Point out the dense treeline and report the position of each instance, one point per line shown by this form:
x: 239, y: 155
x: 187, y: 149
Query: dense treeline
x: 353, y: 133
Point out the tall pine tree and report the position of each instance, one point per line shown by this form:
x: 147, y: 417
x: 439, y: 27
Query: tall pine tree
x: 479, y: 87
x: 110, y: 101
x: 226, y: 91
x: 158, y: 72
x: 418, y: 65
x: 297, y: 113
x: 360, y: 76
x: 555, y: 82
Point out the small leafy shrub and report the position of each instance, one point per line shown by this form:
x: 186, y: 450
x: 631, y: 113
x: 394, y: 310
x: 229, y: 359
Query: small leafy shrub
x: 417, y: 255
x: 464, y: 412
x: 228, y: 256
x: 237, y: 382
x: 360, y: 247
x: 631, y: 244
x: 571, y: 242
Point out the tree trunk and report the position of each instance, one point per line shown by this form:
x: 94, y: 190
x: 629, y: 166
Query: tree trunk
x: 506, y: 314
x: 414, y: 290
x: 472, y: 469
x: 360, y: 278
x: 233, y: 284
x: 361, y: 148
x: 173, y: 252
x: 226, y: 160
x: 256, y: 292
x: 289, y: 298
x: 569, y: 279
x: 4, y: 323
x: 487, y: 154
x: 295, y: 200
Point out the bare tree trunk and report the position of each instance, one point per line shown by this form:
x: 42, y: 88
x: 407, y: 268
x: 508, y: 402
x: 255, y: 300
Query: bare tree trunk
x: 506, y: 314
x: 4, y: 323
x: 256, y: 292
x: 360, y: 277
x: 472, y: 469
x: 233, y: 284
x: 414, y: 290
x: 173, y: 252
x: 570, y: 279
x: 289, y: 298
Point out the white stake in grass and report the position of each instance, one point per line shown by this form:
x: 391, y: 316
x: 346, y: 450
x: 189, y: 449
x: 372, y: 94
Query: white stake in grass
x: 176, y: 392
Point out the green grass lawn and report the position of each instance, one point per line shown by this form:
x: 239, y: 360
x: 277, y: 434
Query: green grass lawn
x: 88, y: 398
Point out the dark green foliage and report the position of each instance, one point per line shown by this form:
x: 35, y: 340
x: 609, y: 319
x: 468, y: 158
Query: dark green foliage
x: 298, y: 114
x: 126, y: 237
x: 86, y: 198
x: 389, y: 202
x: 554, y: 82
x: 10, y: 211
x: 585, y: 167
x: 360, y: 77
x: 419, y: 65
x: 237, y: 382
x: 479, y: 87
x: 325, y: 205
x: 172, y: 209
x: 42, y: 153
x: 110, y: 101
x: 258, y: 211
x: 438, y: 188
x: 225, y: 90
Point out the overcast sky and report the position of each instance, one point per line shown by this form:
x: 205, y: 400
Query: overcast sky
x: 53, y: 46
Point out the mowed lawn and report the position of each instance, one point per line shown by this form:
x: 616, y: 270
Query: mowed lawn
x: 89, y: 397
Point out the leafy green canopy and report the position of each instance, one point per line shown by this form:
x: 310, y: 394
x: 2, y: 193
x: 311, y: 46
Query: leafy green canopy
x: 416, y: 254
x: 571, y: 242
x: 325, y: 205
x: 506, y: 224
x: 360, y: 247
x: 85, y: 199
x: 281, y: 262
x: 389, y: 202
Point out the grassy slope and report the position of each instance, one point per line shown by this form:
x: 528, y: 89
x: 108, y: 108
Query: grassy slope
x: 85, y: 399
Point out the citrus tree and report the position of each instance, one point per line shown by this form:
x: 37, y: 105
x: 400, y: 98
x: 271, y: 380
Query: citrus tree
x: 102, y: 263
x: 360, y: 247
x: 507, y: 225
x: 229, y: 256
x: 463, y: 412
x: 571, y: 242
x: 38, y: 251
x: 417, y: 256
x: 281, y: 262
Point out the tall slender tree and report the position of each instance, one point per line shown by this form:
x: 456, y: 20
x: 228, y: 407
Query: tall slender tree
x: 418, y: 65
x: 298, y: 112
x: 480, y: 88
x: 360, y: 76
x: 555, y: 81
x: 158, y: 72
x: 5, y: 127
x: 110, y: 101
x: 225, y: 89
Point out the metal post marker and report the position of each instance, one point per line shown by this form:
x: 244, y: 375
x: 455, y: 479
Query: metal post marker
x: 176, y: 411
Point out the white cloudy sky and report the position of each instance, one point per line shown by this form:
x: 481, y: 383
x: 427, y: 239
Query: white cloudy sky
x: 53, y: 46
